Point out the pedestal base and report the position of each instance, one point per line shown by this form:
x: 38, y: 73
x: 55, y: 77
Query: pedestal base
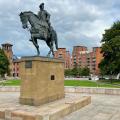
x: 36, y: 102
x: 42, y: 80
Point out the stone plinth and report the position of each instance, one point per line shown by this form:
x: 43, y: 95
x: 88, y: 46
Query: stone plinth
x: 42, y: 80
x: 10, y: 109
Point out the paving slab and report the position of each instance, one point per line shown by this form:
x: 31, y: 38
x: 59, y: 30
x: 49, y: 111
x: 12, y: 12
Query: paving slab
x: 10, y: 109
x: 102, y: 107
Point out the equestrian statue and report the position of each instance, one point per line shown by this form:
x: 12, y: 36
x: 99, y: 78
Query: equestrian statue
x: 40, y: 28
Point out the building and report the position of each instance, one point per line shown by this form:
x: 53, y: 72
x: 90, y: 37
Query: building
x: 7, y: 47
x: 68, y: 60
x: 81, y: 58
x: 98, y: 58
x: 65, y: 55
x: 14, y: 62
x: 15, y: 67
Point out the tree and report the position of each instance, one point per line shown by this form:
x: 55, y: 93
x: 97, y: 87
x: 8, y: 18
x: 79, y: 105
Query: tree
x: 111, y: 50
x: 67, y: 72
x: 85, y: 71
x: 77, y: 72
x: 74, y: 71
x: 4, y: 64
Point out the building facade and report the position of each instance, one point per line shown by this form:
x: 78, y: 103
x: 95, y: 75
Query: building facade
x: 15, y: 68
x: 7, y: 47
x: 81, y: 58
x: 98, y: 58
x: 65, y: 55
x: 14, y: 63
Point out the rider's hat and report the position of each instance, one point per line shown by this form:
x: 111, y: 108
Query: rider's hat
x: 42, y: 4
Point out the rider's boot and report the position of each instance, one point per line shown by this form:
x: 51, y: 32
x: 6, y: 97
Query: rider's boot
x: 30, y: 40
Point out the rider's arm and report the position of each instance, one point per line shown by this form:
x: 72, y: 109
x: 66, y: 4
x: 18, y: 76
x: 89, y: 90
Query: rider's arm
x: 47, y: 16
x: 38, y: 14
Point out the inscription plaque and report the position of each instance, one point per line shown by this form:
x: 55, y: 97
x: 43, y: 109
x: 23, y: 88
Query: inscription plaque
x: 28, y: 64
x: 52, y: 77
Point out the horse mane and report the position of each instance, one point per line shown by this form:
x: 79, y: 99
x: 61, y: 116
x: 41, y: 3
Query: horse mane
x: 31, y: 13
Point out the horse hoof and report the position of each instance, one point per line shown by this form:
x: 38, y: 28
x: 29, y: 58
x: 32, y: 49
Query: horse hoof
x: 48, y: 55
x: 38, y: 54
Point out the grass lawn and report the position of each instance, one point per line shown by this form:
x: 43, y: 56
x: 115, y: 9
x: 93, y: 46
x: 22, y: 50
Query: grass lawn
x: 83, y: 83
x: 10, y: 83
x: 88, y: 83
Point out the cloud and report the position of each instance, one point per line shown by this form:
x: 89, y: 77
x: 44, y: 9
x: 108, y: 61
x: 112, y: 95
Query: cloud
x: 77, y: 22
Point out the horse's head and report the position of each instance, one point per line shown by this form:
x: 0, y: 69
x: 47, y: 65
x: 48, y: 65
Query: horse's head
x: 24, y: 19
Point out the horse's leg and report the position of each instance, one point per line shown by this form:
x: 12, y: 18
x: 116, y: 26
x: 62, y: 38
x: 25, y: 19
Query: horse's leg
x: 48, y: 44
x: 34, y: 41
x: 37, y: 46
x: 52, y: 49
x: 48, y: 55
x: 52, y: 39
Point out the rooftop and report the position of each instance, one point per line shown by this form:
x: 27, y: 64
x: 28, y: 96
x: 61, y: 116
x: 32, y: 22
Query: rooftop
x: 7, y: 44
x: 80, y: 46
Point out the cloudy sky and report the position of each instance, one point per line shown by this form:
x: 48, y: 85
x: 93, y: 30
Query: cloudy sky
x: 77, y: 22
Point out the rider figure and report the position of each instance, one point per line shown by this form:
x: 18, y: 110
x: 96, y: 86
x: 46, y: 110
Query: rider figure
x: 44, y: 16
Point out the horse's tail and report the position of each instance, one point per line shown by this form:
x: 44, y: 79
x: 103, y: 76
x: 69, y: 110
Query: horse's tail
x: 54, y: 37
x: 56, y: 41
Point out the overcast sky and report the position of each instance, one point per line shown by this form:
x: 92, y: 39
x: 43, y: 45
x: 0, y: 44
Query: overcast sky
x: 77, y: 22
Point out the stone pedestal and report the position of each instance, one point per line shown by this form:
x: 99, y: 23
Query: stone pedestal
x: 42, y: 80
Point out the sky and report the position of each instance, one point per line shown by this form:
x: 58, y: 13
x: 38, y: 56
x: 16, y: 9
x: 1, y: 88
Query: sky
x: 77, y: 22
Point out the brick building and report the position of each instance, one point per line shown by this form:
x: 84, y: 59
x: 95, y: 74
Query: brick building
x: 15, y: 67
x: 14, y: 63
x: 98, y: 58
x: 81, y: 57
x: 65, y: 55
x: 7, y: 47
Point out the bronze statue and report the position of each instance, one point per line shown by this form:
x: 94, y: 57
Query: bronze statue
x: 44, y: 16
x: 40, y: 28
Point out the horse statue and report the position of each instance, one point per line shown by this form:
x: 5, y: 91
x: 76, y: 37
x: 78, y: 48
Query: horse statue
x: 38, y: 31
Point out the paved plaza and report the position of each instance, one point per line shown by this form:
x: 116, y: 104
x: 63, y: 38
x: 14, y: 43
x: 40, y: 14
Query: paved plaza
x: 102, y: 107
